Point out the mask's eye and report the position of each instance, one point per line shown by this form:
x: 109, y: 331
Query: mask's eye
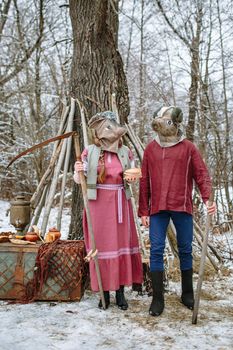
x: 169, y: 122
x: 108, y: 127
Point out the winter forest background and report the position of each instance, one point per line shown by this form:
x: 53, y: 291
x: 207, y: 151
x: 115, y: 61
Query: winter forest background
x: 174, y: 52
x: 150, y: 53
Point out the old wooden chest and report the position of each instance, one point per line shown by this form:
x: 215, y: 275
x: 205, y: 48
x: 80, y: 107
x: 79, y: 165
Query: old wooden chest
x: 17, y: 264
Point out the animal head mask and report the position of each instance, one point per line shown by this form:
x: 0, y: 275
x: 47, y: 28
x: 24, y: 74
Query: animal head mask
x: 107, y: 130
x: 166, y: 124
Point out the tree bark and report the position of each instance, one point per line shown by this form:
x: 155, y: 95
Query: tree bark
x: 97, y: 72
x: 195, y: 79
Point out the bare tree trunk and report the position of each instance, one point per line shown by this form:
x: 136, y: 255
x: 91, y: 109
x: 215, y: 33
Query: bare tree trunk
x: 171, y: 76
x: 193, y: 45
x: 193, y: 90
x: 204, y: 89
x: 130, y: 38
x: 97, y: 72
x: 142, y: 68
x: 227, y: 139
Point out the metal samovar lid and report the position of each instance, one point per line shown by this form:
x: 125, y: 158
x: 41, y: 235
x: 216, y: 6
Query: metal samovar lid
x: 20, y: 200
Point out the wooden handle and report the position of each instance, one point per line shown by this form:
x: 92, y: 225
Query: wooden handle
x: 211, y: 199
x: 88, y: 215
x: 202, y: 265
x: 77, y: 147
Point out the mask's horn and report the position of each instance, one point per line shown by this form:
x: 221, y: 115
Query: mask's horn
x: 155, y: 114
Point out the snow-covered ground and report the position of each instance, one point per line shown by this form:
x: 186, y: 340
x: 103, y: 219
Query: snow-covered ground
x: 81, y: 325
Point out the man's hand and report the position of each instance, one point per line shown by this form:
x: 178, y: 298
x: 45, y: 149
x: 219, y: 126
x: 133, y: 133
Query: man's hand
x: 145, y: 221
x: 211, y: 208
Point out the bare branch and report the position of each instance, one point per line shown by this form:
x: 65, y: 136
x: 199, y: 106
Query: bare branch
x: 181, y: 37
x: 28, y: 52
x: 4, y: 16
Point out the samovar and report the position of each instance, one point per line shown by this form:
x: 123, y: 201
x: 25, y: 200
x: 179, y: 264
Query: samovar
x: 20, y: 213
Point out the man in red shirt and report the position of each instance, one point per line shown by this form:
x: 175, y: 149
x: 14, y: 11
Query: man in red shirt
x: 170, y: 166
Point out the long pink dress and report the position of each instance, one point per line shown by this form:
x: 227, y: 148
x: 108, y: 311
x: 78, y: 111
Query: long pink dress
x: 114, y: 230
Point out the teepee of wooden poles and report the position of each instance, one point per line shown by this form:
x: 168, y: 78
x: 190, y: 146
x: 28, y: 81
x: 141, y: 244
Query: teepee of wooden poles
x: 43, y: 197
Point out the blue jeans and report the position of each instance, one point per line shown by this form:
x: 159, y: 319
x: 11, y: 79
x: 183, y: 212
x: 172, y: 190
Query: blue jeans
x: 184, y: 229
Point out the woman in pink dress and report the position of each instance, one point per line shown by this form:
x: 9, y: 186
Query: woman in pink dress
x: 111, y: 212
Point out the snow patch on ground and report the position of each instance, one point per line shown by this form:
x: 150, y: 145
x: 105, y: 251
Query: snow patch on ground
x: 81, y: 325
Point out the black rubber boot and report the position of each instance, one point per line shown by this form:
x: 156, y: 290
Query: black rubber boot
x: 120, y: 299
x: 187, y: 296
x: 157, y: 304
x: 107, y: 300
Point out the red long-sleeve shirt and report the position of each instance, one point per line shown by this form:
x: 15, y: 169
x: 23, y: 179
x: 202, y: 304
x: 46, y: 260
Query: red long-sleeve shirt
x: 167, y: 178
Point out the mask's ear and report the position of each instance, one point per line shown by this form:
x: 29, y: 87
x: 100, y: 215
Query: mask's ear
x: 153, y: 123
x: 177, y: 115
x: 95, y: 121
x: 155, y: 114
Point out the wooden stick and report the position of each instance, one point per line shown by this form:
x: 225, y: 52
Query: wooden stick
x: 39, y: 207
x: 142, y: 147
x: 66, y: 164
x: 213, y: 249
x: 139, y: 141
x: 49, y: 201
x: 84, y: 124
x: 134, y: 142
x: 207, y: 254
x: 45, y: 178
x: 202, y: 266
x: 48, y: 173
x: 89, y: 223
x: 139, y: 231
x: 62, y: 127
x: 53, y: 186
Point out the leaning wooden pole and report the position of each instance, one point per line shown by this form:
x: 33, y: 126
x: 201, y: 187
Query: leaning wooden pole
x: 212, y: 248
x: 66, y: 163
x: 199, y: 241
x: 89, y: 223
x: 202, y: 267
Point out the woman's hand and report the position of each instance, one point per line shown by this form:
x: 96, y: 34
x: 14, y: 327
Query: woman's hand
x: 211, y: 207
x: 145, y: 221
x: 78, y: 166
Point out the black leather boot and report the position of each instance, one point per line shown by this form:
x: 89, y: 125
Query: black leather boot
x: 120, y: 299
x: 107, y: 300
x: 187, y: 296
x: 157, y: 304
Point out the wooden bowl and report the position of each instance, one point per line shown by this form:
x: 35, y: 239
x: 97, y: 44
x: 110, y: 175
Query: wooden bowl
x: 133, y: 172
